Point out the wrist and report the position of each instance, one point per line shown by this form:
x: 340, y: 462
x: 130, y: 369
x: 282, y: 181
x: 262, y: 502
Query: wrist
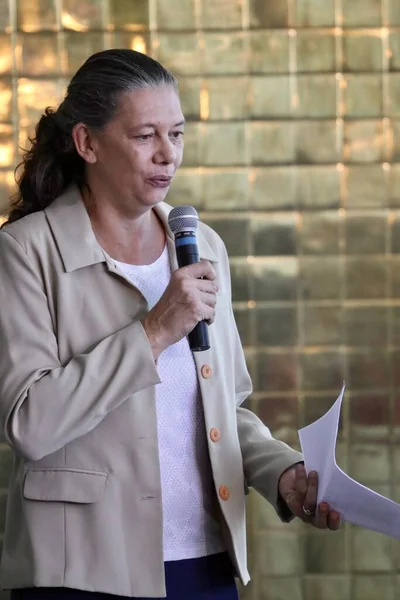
x: 154, y: 336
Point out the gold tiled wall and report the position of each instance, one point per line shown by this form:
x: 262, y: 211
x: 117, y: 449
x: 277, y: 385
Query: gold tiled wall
x: 291, y: 155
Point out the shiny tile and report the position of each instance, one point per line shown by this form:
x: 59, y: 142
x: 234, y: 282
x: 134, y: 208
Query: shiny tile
x: 369, y: 416
x: 393, y: 86
x: 328, y: 587
x: 366, y: 278
x: 314, y: 13
x: 321, y: 278
x: 277, y: 371
x: 322, y: 325
x: 176, y: 15
x: 370, y: 551
x: 179, y: 52
x: 366, y: 186
x: 274, y: 188
x: 275, y: 279
x: 280, y: 415
x: 316, y: 50
x: 276, y: 326
x: 6, y: 60
x: 186, y: 188
x: 272, y: 100
x: 224, y: 14
x: 321, y: 370
x: 125, y: 14
x: 78, y: 48
x: 318, y: 187
x: 227, y: 97
x: 83, y: 15
x: 5, y: 100
x: 223, y: 144
x: 36, y: 15
x: 316, y: 96
x: 4, y: 15
x: 363, y: 51
x: 269, y: 14
x: 364, y: 141
x: 7, y: 188
x: 38, y: 55
x: 269, y: 51
x: 364, y: 13
x: 368, y: 369
x: 272, y: 142
x: 273, y: 235
x: 316, y: 142
x: 363, y: 95
x: 319, y: 232
x: 234, y: 232
x: 372, y: 586
x: 366, y: 233
x: 6, y: 146
x: 226, y: 189
x: 365, y: 325
x: 394, y: 50
x: 320, y: 547
x: 225, y: 54
x: 33, y: 97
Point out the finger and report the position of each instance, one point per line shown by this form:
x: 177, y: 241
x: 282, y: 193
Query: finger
x: 205, y: 285
x: 310, y: 499
x: 209, y: 299
x: 321, y: 517
x: 301, y: 481
x: 334, y: 520
x: 202, y: 269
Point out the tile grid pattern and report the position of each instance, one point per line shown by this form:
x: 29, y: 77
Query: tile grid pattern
x: 293, y: 156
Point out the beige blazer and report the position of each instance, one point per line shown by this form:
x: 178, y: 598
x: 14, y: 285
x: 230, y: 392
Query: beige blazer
x: 77, y: 406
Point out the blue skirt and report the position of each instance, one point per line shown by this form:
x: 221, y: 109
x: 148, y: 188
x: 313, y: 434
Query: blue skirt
x: 207, y: 578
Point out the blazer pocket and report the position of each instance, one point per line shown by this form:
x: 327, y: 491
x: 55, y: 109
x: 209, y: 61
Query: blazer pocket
x: 64, y: 485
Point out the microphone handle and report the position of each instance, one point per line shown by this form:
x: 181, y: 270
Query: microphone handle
x: 188, y: 254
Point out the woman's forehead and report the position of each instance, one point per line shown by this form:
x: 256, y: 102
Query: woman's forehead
x: 150, y: 105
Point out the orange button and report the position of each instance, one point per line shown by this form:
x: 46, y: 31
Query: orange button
x: 206, y: 371
x: 215, y: 434
x: 224, y: 492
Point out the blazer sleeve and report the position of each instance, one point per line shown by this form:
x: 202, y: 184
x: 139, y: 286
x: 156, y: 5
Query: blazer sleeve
x: 44, y: 404
x: 264, y: 457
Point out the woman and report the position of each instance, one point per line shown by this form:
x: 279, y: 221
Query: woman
x: 132, y: 455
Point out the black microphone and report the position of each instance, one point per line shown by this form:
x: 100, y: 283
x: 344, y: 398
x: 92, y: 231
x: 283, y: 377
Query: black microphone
x: 183, y: 221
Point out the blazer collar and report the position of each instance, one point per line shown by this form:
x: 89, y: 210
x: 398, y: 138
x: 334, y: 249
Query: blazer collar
x: 78, y: 246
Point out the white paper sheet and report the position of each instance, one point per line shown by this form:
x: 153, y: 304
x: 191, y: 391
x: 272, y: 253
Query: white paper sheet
x: 355, y: 502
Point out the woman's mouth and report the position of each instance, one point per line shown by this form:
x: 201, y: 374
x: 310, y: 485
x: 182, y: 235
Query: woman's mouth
x: 160, y: 182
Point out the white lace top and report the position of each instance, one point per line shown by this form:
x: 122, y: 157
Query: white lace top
x: 190, y: 528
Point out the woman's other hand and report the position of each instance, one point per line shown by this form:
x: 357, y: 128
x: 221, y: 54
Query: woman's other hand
x: 300, y: 491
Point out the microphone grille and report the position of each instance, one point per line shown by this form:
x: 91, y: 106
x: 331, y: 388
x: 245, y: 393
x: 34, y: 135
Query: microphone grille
x: 183, y: 218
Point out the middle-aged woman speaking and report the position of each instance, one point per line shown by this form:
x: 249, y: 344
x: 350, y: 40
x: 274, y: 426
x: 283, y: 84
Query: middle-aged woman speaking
x: 132, y: 454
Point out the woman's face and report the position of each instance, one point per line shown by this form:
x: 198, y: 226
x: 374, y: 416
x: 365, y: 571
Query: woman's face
x: 139, y: 151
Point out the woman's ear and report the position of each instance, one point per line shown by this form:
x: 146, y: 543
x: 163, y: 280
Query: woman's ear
x: 83, y: 143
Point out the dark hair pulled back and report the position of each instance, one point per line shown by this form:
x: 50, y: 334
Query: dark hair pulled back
x: 52, y: 162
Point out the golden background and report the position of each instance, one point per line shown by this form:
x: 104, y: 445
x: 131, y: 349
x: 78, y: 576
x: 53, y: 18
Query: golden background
x: 292, y: 151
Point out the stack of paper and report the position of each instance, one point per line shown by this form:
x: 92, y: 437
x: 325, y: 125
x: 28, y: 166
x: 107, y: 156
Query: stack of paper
x: 355, y: 502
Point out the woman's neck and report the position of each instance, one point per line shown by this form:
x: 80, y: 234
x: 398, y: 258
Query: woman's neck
x: 134, y: 239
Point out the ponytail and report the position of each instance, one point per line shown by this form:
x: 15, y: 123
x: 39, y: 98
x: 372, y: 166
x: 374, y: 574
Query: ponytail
x: 48, y: 167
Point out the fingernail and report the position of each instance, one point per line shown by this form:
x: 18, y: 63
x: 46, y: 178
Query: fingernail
x: 323, y: 507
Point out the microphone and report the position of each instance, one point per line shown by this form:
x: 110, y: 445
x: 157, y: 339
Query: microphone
x: 183, y: 221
